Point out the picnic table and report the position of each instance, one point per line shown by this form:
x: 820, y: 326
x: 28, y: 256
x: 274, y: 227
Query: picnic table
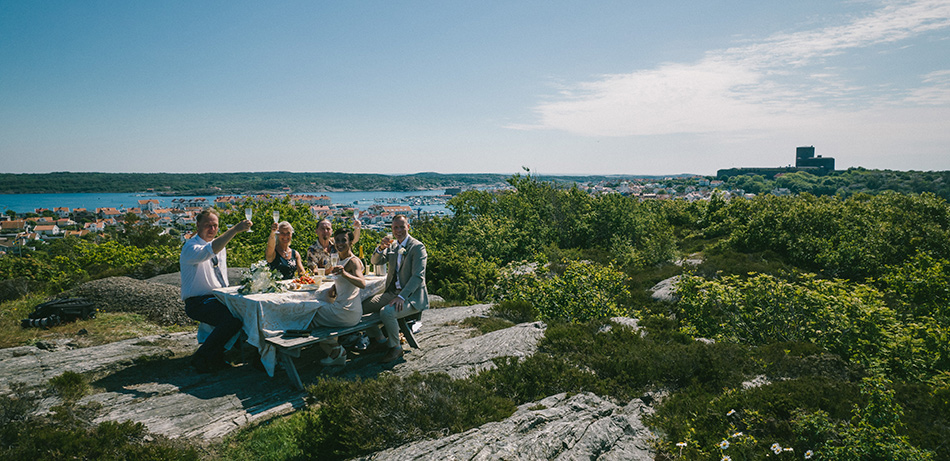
x: 266, y: 316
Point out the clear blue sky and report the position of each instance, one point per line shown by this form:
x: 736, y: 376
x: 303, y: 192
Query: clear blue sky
x: 561, y: 87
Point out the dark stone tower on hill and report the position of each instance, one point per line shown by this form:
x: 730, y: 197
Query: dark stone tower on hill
x: 805, y: 158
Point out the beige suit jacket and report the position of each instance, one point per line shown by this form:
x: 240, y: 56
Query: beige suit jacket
x: 412, y: 272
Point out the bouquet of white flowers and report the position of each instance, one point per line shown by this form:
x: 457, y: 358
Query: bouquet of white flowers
x: 261, y: 279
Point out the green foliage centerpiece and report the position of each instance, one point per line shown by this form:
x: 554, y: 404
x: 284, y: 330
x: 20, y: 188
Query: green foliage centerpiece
x: 260, y: 279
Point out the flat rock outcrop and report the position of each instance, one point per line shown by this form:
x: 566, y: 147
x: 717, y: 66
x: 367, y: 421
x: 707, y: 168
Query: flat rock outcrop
x: 583, y: 426
x: 149, y: 380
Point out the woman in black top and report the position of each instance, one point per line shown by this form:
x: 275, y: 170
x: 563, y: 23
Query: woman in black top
x: 280, y: 256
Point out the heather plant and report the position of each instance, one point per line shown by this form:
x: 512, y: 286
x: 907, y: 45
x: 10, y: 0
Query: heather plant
x: 627, y: 363
x: 514, y: 310
x: 70, y: 386
x: 350, y: 418
x: 66, y: 433
x: 536, y: 377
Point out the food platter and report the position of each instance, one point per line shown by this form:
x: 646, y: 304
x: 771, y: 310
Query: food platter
x: 310, y: 287
x: 305, y: 283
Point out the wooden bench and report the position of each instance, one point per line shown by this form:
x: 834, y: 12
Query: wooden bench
x: 289, y: 348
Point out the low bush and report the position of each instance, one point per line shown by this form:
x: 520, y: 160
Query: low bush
x: 627, y: 364
x: 458, y: 276
x: 514, y: 310
x: 487, y: 324
x: 875, y: 431
x: 67, y: 434
x: 351, y: 418
x: 583, y: 292
x: 535, y: 378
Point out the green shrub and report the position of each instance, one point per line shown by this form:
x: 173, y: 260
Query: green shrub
x: 847, y: 319
x: 584, y: 291
x: 459, y: 276
x: 275, y: 439
x: 919, y: 288
x: 64, y: 435
x: 352, y: 418
x: 535, y: 377
x: 487, y: 324
x: 627, y: 364
x: 854, y: 238
x: 70, y: 386
x: 875, y: 432
x: 751, y: 420
x: 514, y: 310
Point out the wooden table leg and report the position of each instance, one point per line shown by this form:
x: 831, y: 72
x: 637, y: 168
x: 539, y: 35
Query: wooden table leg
x: 407, y: 332
x: 288, y: 362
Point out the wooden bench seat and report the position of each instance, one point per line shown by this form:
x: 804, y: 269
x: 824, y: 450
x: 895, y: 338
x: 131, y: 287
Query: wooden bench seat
x: 289, y: 348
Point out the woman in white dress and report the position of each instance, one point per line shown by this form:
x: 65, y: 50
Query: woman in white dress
x: 344, y: 307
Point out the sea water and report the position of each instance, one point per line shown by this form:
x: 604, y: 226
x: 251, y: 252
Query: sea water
x: 28, y: 203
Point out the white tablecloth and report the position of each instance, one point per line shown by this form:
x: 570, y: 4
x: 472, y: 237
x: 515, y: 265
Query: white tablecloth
x: 269, y: 314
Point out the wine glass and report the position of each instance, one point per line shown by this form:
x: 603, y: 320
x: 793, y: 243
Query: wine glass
x: 276, y: 216
x: 356, y: 215
x: 247, y: 214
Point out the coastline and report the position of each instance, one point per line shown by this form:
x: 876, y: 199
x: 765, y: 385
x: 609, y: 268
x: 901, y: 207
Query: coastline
x: 29, y: 203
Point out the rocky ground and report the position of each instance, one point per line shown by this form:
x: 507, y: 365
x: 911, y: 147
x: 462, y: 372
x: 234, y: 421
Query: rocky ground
x: 148, y: 380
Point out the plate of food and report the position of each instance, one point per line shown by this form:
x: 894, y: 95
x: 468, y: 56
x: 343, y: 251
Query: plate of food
x: 304, y: 287
x: 304, y: 280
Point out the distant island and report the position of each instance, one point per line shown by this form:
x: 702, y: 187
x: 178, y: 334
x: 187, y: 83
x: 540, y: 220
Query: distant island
x: 182, y: 184
x: 274, y: 182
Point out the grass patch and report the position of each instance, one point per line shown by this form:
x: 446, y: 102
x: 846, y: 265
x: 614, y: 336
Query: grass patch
x: 275, y: 439
x: 70, y: 386
x: 105, y: 328
x: 486, y: 324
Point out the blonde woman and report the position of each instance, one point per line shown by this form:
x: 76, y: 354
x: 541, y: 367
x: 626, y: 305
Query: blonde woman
x: 280, y: 256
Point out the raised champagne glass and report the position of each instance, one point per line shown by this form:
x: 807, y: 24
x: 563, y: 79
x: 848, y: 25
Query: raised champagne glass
x: 247, y: 215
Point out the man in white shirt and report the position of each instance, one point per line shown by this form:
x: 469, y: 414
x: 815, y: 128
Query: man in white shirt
x: 405, y: 293
x: 204, y: 267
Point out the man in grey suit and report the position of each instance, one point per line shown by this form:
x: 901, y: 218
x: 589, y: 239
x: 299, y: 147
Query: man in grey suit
x: 405, y: 293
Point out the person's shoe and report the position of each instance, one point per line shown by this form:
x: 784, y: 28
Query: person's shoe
x: 394, y: 354
x: 332, y: 361
x: 202, y: 365
x: 376, y: 346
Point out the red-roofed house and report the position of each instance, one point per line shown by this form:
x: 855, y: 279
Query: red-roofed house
x: 150, y: 204
x: 16, y: 225
x: 61, y: 211
x: 47, y: 230
x: 110, y: 212
x: 320, y: 210
x: 97, y: 226
x: 311, y: 199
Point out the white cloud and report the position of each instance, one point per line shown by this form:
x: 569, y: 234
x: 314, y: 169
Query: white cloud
x: 762, y: 86
x: 936, y: 91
